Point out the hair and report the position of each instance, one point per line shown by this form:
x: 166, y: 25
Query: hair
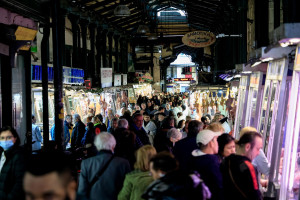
x: 183, y: 107
x: 77, y: 116
x: 202, y: 146
x: 127, y: 113
x: 32, y: 117
x: 161, y: 108
x: 51, y: 161
x: 209, y: 116
x: 215, y: 127
x: 248, y: 137
x: 90, y: 125
x: 114, y: 119
x: 216, y: 118
x: 164, y: 161
x: 13, y: 132
x: 173, y: 133
x: 188, y: 118
x: 143, y: 156
x: 99, y: 116
x: 167, y: 121
x: 195, y: 127
x: 223, y: 140
x: 181, y: 124
x: 68, y: 117
x: 89, y: 118
x: 179, y: 114
x: 122, y: 123
x: 203, y: 119
x: 105, y: 141
x: 136, y: 115
x: 247, y: 129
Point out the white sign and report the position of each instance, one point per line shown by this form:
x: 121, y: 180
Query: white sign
x: 106, y: 77
x: 117, y: 80
x: 124, y: 79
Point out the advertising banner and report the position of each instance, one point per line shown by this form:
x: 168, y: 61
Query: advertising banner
x: 106, y: 77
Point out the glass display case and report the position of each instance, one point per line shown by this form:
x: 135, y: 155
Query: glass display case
x: 254, y: 99
x: 274, y: 127
x: 241, y: 104
x: 290, y: 164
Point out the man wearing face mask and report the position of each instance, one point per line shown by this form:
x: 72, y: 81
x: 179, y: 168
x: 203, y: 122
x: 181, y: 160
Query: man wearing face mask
x: 12, y: 165
x: 49, y: 176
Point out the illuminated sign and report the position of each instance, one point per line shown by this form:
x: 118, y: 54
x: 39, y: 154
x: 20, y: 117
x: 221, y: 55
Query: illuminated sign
x: 183, y: 79
x: 88, y: 84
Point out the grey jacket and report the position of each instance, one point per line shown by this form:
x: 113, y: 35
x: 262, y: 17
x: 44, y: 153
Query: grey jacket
x: 110, y: 182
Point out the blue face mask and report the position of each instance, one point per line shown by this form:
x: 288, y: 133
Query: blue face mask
x: 6, y: 144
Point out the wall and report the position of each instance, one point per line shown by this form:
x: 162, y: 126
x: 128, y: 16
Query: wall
x: 251, y: 46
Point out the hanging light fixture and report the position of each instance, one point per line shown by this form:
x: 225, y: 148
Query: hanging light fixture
x: 121, y: 11
x: 143, y: 29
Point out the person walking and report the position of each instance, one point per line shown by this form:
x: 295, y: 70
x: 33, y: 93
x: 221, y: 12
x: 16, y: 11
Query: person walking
x: 37, y: 138
x: 102, y: 176
x: 78, y: 132
x: 139, y: 179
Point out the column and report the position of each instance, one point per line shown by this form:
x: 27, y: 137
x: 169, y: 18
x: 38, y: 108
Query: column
x: 83, y: 26
x: 74, y: 22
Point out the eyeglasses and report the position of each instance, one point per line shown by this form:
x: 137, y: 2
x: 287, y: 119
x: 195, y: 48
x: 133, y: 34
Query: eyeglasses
x: 6, y: 138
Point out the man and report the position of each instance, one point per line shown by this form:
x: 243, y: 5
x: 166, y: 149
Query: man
x: 37, y: 138
x: 78, y: 132
x: 125, y: 140
x: 207, y: 163
x: 67, y: 127
x: 114, y: 125
x: 137, y: 127
x: 160, y: 118
x: 239, y: 175
x: 144, y: 108
x: 183, y: 148
x: 161, y: 139
x: 48, y: 176
x: 111, y: 181
x: 149, y: 127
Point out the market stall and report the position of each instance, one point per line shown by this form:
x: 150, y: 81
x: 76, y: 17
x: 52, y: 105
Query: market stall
x: 241, y: 104
x: 290, y: 163
x: 256, y: 89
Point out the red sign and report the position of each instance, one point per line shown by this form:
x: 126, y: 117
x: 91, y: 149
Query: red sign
x: 88, y: 84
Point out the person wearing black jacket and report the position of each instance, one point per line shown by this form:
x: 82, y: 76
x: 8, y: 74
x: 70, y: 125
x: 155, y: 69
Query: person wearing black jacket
x: 239, y: 175
x: 78, y: 132
x: 12, y: 165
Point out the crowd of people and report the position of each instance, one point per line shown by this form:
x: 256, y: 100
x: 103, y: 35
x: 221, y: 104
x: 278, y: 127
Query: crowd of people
x: 157, y: 150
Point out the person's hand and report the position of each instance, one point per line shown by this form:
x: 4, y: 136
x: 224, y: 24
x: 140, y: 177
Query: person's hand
x: 264, y: 183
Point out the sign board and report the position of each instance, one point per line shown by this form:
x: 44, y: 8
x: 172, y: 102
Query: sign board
x: 117, y: 80
x: 88, y: 84
x: 183, y: 79
x: 106, y: 77
x: 199, y: 39
x: 124, y: 76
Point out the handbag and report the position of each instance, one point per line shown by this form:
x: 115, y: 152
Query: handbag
x: 98, y: 175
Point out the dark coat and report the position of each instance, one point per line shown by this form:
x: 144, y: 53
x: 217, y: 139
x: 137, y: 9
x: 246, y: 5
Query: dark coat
x: 111, y: 181
x: 208, y: 167
x: 77, y: 134
x: 125, y: 144
x: 244, y: 175
x: 99, y: 127
x: 183, y: 151
x: 141, y: 136
x: 177, y: 185
x: 161, y: 142
x: 11, y: 177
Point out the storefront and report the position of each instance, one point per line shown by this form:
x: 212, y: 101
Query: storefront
x: 290, y: 181
x: 241, y: 103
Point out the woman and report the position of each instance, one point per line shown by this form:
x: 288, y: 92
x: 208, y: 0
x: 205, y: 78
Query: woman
x: 12, y: 165
x: 226, y: 145
x: 138, y: 180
